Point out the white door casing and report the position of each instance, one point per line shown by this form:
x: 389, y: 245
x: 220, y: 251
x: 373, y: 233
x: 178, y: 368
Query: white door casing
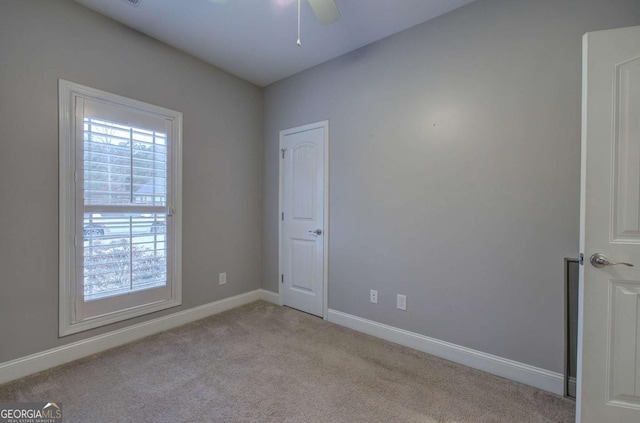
x: 609, y: 321
x: 303, y: 249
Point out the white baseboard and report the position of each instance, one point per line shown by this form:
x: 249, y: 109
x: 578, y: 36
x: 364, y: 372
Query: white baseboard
x: 572, y: 387
x: 34, y: 363
x: 519, y: 372
x: 270, y: 296
x: 509, y: 369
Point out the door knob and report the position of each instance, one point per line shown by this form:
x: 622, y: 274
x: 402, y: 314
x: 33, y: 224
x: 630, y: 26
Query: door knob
x: 600, y: 260
x: 317, y: 232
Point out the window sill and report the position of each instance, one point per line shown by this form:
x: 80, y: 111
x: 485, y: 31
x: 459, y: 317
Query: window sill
x: 119, y: 316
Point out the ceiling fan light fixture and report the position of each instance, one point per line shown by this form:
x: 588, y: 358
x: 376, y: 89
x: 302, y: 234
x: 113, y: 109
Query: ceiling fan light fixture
x: 134, y: 3
x: 325, y: 10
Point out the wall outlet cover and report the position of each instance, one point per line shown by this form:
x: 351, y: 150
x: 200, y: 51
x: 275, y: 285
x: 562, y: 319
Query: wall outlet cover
x: 373, y: 296
x: 402, y: 302
x: 222, y: 278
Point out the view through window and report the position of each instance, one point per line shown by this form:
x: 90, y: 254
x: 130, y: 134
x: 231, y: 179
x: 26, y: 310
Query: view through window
x: 124, y: 228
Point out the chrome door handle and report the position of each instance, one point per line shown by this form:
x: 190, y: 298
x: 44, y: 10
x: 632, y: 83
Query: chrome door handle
x: 600, y: 260
x: 316, y: 232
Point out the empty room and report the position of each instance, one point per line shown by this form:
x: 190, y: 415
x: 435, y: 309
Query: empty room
x: 320, y: 211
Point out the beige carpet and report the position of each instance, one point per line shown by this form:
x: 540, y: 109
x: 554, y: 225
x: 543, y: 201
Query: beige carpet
x: 265, y: 363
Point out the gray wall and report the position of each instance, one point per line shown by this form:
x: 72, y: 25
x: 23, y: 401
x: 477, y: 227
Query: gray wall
x: 454, y: 171
x: 43, y: 40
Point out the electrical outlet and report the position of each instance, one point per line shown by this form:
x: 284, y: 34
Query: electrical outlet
x: 373, y: 296
x: 222, y: 278
x: 402, y: 302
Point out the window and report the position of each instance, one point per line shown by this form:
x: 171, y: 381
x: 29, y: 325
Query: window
x: 120, y: 208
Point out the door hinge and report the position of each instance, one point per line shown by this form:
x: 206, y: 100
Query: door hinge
x: 282, y: 217
x: 75, y: 177
x: 283, y: 150
x: 75, y: 241
x: 281, y: 278
x: 581, y: 259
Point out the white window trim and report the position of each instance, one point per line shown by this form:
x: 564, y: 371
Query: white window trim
x: 68, y: 92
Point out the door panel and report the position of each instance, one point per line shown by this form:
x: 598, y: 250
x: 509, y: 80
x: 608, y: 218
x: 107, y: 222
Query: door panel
x: 609, y: 328
x: 302, y: 226
x: 304, y: 184
x: 302, y: 264
x: 624, y: 382
x: 626, y: 222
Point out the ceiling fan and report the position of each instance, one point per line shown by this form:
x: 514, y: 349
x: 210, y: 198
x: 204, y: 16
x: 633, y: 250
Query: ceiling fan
x: 325, y: 10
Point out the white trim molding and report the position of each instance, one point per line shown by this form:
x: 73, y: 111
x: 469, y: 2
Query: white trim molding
x: 572, y: 386
x: 77, y: 313
x: 509, y: 369
x: 503, y: 367
x: 34, y: 363
x: 270, y: 296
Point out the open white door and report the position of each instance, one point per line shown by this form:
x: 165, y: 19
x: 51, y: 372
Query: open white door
x: 609, y: 328
x: 303, y: 217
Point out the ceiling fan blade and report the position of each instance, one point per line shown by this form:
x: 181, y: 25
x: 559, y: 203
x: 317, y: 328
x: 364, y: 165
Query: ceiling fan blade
x: 326, y: 11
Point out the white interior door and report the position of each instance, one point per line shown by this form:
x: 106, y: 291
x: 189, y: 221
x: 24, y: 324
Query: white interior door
x: 609, y: 329
x: 303, y: 216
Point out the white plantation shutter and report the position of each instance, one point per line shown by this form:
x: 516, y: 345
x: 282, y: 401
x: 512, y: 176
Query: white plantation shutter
x: 125, y: 193
x: 123, y: 165
x: 125, y: 206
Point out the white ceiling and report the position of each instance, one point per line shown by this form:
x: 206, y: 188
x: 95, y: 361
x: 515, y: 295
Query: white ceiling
x: 256, y: 39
